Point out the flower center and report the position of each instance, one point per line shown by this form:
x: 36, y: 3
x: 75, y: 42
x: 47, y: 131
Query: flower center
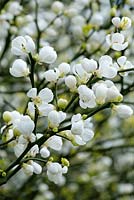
x: 37, y: 100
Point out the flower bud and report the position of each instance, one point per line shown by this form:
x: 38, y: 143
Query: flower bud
x: 64, y: 68
x: 50, y: 159
x: 52, y: 75
x: 65, y: 162
x: 7, y: 116
x: 84, y: 116
x: 123, y: 111
x: 27, y: 169
x: 19, y: 68
x: 113, y: 11
x: 47, y: 55
x: 125, y: 23
x: 116, y: 21
x: 4, y: 174
x: 37, y: 169
x: 44, y: 152
x: 57, y: 7
x: 62, y: 103
x: 70, y: 82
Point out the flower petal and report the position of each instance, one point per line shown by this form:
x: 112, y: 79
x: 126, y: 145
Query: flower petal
x: 87, y: 135
x: 46, y: 95
x: 32, y: 93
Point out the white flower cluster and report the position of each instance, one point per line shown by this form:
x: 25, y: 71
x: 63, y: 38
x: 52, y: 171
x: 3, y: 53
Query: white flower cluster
x: 81, y: 129
x: 55, y: 172
x: 41, y: 100
x: 25, y: 46
x: 86, y: 80
x: 117, y: 40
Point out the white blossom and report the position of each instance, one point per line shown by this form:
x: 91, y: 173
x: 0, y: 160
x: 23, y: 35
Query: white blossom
x: 116, y: 21
x: 24, y: 125
x: 64, y: 68
x: 54, y: 142
x: 89, y: 65
x: 86, y: 96
x: 41, y: 100
x: 116, y: 41
x: 22, y: 45
x: 55, y: 118
x: 31, y: 167
x: 19, y: 68
x: 37, y: 169
x: 124, y: 23
x: 31, y: 109
x: 47, y: 55
x: 123, y: 111
x: 45, y: 108
x: 44, y: 152
x: 81, y: 73
x: 52, y: 75
x: 10, y: 117
x: 100, y: 90
x: 22, y: 142
x: 107, y: 68
x: 14, y: 8
x: 55, y: 172
x: 71, y: 82
x: 113, y: 93
x: 44, y: 96
x: 57, y: 7
x: 106, y: 91
x: 22, y: 139
x: 27, y: 169
x: 124, y: 64
x: 81, y: 129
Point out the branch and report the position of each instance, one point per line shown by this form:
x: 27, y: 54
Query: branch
x: 37, y: 26
x: 6, y: 45
x: 51, y: 22
x: 18, y: 161
x: 31, y: 158
x: 31, y: 75
x: 126, y: 70
x: 110, y: 148
x: 9, y: 104
x: 7, y: 142
x: 104, y: 106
